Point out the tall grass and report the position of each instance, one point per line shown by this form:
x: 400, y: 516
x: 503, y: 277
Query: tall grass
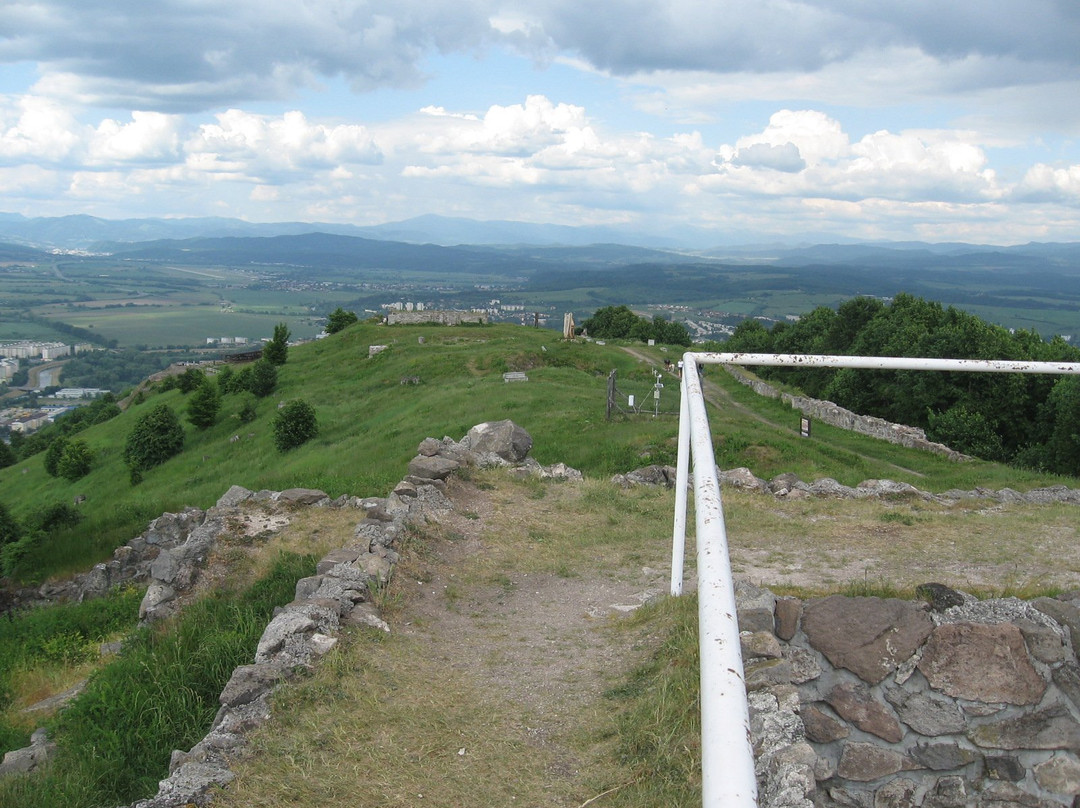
x: 160, y: 694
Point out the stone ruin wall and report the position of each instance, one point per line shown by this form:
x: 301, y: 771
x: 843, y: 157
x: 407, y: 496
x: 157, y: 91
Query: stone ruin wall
x: 835, y: 415
x: 884, y: 703
x: 438, y: 317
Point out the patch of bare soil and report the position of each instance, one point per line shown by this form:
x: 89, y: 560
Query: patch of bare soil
x: 544, y: 642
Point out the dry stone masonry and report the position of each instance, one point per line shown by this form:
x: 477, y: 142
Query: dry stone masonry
x: 882, y: 703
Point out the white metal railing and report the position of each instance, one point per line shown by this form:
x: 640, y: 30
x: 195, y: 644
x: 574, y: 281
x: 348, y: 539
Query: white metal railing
x: 727, y: 758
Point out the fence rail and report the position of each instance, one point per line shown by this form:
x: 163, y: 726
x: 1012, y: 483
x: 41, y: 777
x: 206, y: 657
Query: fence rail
x: 727, y: 758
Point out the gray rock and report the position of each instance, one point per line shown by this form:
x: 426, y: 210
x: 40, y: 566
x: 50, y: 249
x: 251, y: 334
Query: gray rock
x: 939, y: 596
x: 504, y: 439
x: 949, y: 792
x: 787, y: 614
x: 280, y: 629
x: 804, y: 664
x: 1065, y: 613
x: 942, y: 756
x: 742, y: 478
x: 303, y: 496
x: 1050, y: 728
x: 1060, y: 774
x: 868, y: 636
x: 1008, y: 795
x: 432, y: 468
x: 1067, y: 678
x: 926, y: 713
x: 1046, y: 644
x: 759, y: 645
x: 898, y: 793
x: 1004, y: 767
x: 248, y: 682
x: 234, y: 496
x: 755, y: 607
x: 980, y: 662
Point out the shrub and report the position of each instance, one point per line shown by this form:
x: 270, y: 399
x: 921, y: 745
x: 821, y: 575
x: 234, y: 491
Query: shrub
x: 76, y: 461
x: 52, y: 456
x: 263, y: 378
x: 156, y: 437
x: 7, y: 456
x: 57, y: 516
x: 276, y: 350
x: 247, y: 412
x: 190, y: 379
x: 295, y: 424
x: 9, y: 528
x: 339, y: 319
x: 204, y: 405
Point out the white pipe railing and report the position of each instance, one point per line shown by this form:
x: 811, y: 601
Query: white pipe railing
x: 727, y: 758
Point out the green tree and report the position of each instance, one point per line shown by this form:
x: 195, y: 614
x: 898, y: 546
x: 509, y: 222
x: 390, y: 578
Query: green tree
x: 7, y: 456
x: 294, y: 424
x: 276, y: 351
x: 155, y: 438
x: 9, y: 528
x: 76, y: 461
x: 190, y: 379
x: 225, y: 378
x: 340, y: 319
x: 611, y: 322
x: 204, y: 405
x: 263, y: 378
x: 53, y: 455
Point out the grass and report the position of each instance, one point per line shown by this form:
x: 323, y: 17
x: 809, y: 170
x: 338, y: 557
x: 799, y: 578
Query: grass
x: 160, y: 694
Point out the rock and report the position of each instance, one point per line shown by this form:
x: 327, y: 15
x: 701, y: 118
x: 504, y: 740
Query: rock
x: 939, y: 596
x: 1059, y: 774
x: 234, y: 496
x: 1004, y: 767
x: 863, y: 762
x: 742, y: 478
x: 804, y: 664
x: 942, y: 756
x: 154, y: 601
x: 165, y: 567
x: 429, y: 447
x: 767, y: 673
x: 1065, y: 613
x: 1007, y: 795
x: 926, y: 713
x: 898, y: 793
x: 432, y: 468
x: 755, y: 607
x: 980, y: 662
x: 853, y: 702
x: 1044, y: 643
x: 787, y: 614
x: 335, y: 557
x: 868, y: 636
x: 1050, y: 728
x: 949, y: 792
x: 302, y: 496
x: 651, y: 475
x: 280, y: 629
x: 759, y: 645
x: 504, y: 439
x: 822, y: 727
x: 248, y: 682
x: 1067, y: 678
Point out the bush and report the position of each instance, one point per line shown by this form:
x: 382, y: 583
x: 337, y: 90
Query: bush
x: 339, y: 319
x: 7, y: 456
x: 156, y: 437
x: 276, y: 350
x: 57, y: 516
x: 247, y: 412
x: 76, y: 461
x: 190, y: 379
x: 295, y: 424
x: 53, y: 454
x: 204, y: 405
x: 9, y: 528
x: 263, y: 378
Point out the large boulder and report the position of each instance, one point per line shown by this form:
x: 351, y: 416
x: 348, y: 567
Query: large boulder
x: 504, y: 439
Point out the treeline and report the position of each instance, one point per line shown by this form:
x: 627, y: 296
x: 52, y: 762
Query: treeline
x: 618, y: 322
x: 1026, y: 420
x: 112, y: 370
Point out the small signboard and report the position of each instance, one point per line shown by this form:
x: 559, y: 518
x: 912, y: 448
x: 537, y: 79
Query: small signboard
x: 804, y: 427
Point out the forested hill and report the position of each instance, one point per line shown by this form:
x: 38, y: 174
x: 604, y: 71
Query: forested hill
x: 1026, y: 420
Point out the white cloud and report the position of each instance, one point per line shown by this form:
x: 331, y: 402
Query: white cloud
x: 36, y: 128
x: 1044, y: 183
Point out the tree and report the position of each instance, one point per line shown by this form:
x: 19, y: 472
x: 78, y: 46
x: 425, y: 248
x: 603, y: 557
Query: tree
x: 294, y: 424
x: 190, y: 379
x: 76, y: 461
x: 7, y: 456
x: 340, y: 319
x: 263, y: 378
x: 9, y: 529
x: 155, y: 438
x: 225, y: 378
x: 204, y: 405
x: 53, y: 454
x: 276, y: 350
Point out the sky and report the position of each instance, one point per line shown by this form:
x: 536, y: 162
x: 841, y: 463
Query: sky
x: 931, y: 120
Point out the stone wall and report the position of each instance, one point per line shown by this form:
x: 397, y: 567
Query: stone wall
x: 881, y: 703
x: 439, y: 317
x: 835, y: 415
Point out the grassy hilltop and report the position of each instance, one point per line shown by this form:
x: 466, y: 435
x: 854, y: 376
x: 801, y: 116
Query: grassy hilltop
x: 370, y: 423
